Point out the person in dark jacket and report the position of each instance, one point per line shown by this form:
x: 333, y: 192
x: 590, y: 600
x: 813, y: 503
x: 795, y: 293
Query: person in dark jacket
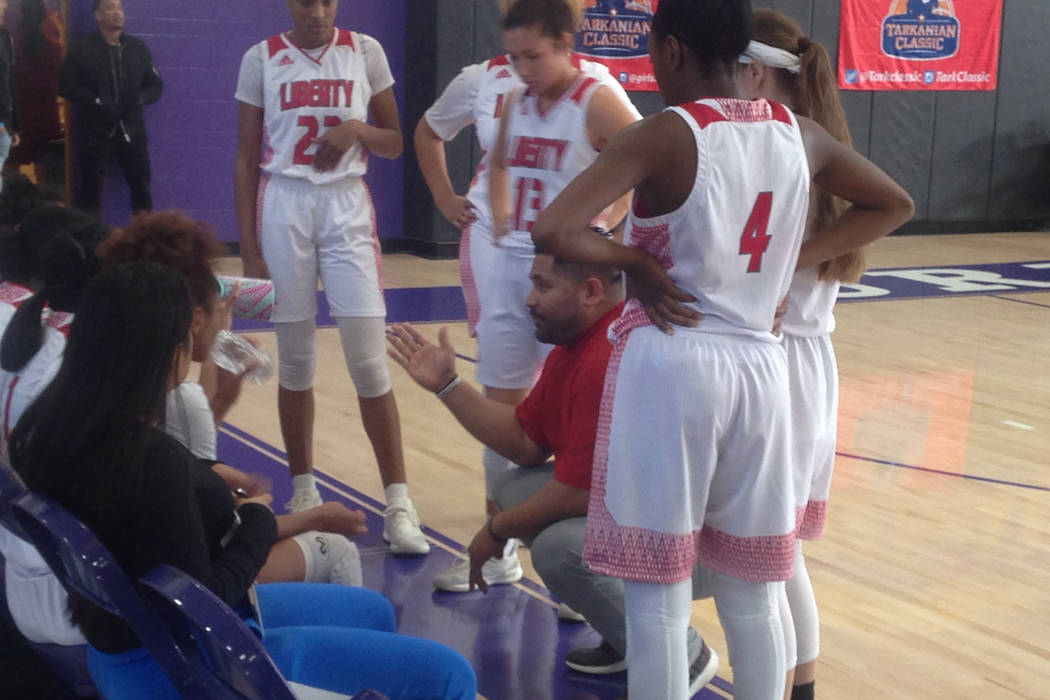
x: 111, y: 76
x: 8, y: 106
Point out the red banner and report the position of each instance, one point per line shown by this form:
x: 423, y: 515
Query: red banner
x: 616, y: 33
x: 920, y: 44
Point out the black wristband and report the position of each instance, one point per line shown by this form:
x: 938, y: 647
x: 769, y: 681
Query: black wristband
x: 492, y: 533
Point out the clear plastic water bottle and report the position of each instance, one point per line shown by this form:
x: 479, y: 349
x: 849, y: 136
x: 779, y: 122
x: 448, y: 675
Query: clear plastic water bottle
x: 234, y: 354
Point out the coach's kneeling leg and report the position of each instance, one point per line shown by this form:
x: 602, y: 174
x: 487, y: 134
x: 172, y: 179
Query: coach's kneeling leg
x: 557, y: 554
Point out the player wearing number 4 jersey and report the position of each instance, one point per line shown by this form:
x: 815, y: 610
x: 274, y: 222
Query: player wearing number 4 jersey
x: 692, y: 459
x: 304, y: 212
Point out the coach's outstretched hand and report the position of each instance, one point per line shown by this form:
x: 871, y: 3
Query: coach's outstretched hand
x: 432, y: 366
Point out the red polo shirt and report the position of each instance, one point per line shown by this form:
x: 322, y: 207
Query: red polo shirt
x: 560, y: 414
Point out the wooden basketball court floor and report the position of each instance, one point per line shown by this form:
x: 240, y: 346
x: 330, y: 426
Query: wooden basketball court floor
x: 934, y: 576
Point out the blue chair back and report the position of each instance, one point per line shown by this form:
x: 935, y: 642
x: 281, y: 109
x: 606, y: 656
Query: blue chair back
x: 84, y: 565
x: 217, y: 641
x: 221, y: 644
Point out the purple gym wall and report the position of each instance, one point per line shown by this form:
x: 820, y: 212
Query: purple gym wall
x: 197, y: 46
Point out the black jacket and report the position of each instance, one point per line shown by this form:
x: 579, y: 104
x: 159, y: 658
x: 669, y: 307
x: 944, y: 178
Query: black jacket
x: 89, y: 79
x: 8, y: 105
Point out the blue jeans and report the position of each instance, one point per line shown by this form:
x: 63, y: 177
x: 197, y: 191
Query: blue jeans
x: 338, y: 638
x: 5, y: 150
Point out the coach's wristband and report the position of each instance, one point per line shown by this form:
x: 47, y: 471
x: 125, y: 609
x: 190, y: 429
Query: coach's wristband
x: 448, y: 388
x: 492, y: 533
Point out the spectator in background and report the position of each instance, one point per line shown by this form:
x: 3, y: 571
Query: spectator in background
x: 111, y: 76
x: 38, y: 57
x: 8, y: 108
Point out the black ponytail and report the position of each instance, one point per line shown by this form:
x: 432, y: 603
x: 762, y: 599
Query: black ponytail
x: 65, y: 262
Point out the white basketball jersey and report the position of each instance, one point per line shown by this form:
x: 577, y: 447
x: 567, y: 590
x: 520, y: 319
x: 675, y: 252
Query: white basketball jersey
x: 545, y: 152
x: 476, y: 96
x: 811, y: 304
x: 19, y: 389
x: 304, y: 96
x: 734, y: 243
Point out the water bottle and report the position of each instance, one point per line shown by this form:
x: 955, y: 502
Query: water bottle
x: 236, y: 355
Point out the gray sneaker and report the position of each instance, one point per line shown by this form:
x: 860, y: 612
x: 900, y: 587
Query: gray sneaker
x: 700, y: 672
x: 599, y: 660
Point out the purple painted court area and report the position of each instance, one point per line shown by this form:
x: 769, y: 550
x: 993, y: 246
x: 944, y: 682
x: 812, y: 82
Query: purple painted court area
x: 513, y: 639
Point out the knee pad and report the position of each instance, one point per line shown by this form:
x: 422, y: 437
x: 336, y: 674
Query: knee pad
x: 329, y: 558
x: 364, y: 346
x: 296, y: 354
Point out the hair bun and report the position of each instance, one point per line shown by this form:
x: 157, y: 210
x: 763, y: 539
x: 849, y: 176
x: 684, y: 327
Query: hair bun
x: 804, y: 45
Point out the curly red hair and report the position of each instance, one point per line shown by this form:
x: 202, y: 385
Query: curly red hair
x: 171, y: 238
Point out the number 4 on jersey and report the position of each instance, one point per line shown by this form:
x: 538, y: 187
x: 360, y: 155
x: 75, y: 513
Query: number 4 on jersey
x: 754, y: 240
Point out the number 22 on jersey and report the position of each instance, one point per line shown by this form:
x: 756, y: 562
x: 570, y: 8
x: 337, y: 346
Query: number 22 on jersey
x: 754, y: 240
x: 312, y: 126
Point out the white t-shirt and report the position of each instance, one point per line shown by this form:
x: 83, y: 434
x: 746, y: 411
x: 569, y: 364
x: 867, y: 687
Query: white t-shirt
x: 189, y: 419
x: 476, y: 96
x: 303, y: 95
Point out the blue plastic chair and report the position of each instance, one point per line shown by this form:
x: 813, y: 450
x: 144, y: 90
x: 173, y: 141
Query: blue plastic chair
x: 70, y: 663
x: 84, y: 566
x: 219, y: 644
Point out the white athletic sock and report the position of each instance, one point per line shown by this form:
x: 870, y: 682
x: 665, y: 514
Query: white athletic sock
x: 511, y: 548
x: 397, y: 494
x: 304, y: 482
x: 329, y: 558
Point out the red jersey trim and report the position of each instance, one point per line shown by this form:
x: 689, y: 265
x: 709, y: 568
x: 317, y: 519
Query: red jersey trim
x: 741, y: 111
x: 577, y: 96
x: 345, y: 38
x: 500, y: 60
x: 275, y: 44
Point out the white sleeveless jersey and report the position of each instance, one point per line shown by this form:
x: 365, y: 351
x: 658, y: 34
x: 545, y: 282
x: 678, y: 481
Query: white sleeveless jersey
x: 304, y: 95
x: 476, y: 96
x: 545, y: 152
x: 19, y: 389
x: 734, y: 243
x: 811, y: 304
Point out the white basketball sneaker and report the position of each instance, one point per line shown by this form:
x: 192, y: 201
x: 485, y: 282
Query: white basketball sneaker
x: 401, y: 529
x: 494, y: 571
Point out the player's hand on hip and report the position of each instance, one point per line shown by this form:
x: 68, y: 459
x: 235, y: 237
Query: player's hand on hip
x: 778, y: 316
x: 432, y: 366
x: 333, y: 145
x: 662, y: 300
x: 458, y: 210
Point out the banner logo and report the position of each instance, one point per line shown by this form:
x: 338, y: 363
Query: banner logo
x: 616, y: 34
x: 921, y: 30
x: 615, y: 29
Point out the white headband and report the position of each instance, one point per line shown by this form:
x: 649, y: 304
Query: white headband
x: 771, y: 56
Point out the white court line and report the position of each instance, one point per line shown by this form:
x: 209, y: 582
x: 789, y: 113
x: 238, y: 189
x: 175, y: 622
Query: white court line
x: 1015, y: 424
